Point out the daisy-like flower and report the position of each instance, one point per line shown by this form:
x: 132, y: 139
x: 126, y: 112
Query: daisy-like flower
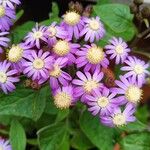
x: 3, y: 40
x: 87, y: 83
x: 37, y: 65
x: 118, y: 49
x: 4, y: 145
x: 56, y: 75
x: 137, y: 69
x: 129, y: 90
x: 73, y: 24
x: 64, y: 97
x: 102, y: 102
x: 10, y: 3
x: 91, y: 57
x: 64, y: 48
x: 54, y: 31
x: 6, y: 17
x: 93, y: 29
x: 119, y: 118
x: 7, y: 77
x: 37, y: 36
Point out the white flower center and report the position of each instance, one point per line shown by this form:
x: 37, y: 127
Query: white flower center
x: 119, y: 49
x: 119, y: 120
x: 37, y: 34
x: 72, y: 18
x: 90, y: 85
x: 103, y: 102
x: 133, y: 94
x: 38, y: 63
x: 3, y: 77
x: 56, y: 72
x: 62, y: 100
x: 15, y: 53
x: 94, y: 24
x: 138, y: 69
x: 95, y: 55
x: 2, y: 11
x: 52, y: 31
x: 61, y: 48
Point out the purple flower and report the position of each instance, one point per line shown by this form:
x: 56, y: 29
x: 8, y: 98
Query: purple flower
x: 4, y: 145
x: 87, y: 83
x: 117, y: 48
x: 54, y: 31
x: 10, y: 3
x: 73, y: 24
x: 93, y: 29
x: 136, y: 68
x: 64, y: 48
x: 64, y: 97
x: 101, y: 102
x: 37, y: 36
x: 91, y: 57
x: 6, y: 16
x: 37, y: 65
x: 7, y: 77
x: 129, y: 90
x: 119, y: 118
x: 3, y: 40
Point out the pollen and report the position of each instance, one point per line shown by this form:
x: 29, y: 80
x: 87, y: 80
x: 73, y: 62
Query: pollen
x: 62, y: 100
x: 37, y: 34
x: 2, y: 11
x: 103, y: 102
x: 119, y: 49
x: 52, y: 31
x: 94, y: 25
x: 3, y: 77
x: 72, y: 18
x: 15, y: 53
x: 90, y: 85
x: 95, y: 55
x: 61, y: 48
x: 38, y: 63
x: 133, y: 94
x: 138, y: 69
x: 119, y: 119
x: 56, y: 72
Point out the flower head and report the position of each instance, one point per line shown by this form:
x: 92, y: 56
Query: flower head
x: 93, y: 29
x: 4, y: 145
x: 117, y: 49
x: 7, y: 77
x: 10, y: 3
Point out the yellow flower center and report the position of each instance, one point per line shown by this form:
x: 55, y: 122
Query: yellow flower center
x: 119, y: 49
x: 15, y: 53
x: 3, y: 77
x: 103, y: 102
x: 62, y: 100
x: 138, y: 69
x: 119, y: 120
x: 133, y: 94
x: 90, y: 85
x: 56, y: 72
x: 37, y: 35
x: 72, y: 18
x: 61, y: 48
x: 38, y: 63
x: 52, y: 31
x: 95, y: 55
x: 2, y: 11
x: 94, y: 25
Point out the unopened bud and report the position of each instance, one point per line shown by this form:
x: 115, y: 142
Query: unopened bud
x: 35, y: 85
x: 27, y: 83
x: 138, y: 2
x: 146, y: 12
x: 133, y: 8
x: 88, y: 11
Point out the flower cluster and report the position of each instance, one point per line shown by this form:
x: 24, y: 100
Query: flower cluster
x: 54, y: 54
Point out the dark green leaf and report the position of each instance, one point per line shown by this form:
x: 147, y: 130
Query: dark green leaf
x: 62, y: 114
x: 19, y: 15
x: 65, y: 145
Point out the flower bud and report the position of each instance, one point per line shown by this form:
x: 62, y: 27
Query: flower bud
x: 133, y: 8
x: 138, y: 2
x: 146, y: 12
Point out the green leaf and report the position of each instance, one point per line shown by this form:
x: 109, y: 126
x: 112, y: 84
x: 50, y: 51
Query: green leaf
x: 62, y: 114
x: 51, y: 137
x: 19, y: 15
x: 117, y: 19
x: 100, y: 2
x: 24, y: 102
x: 65, y: 145
x: 139, y: 141
x: 98, y: 134
x: 17, y: 136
